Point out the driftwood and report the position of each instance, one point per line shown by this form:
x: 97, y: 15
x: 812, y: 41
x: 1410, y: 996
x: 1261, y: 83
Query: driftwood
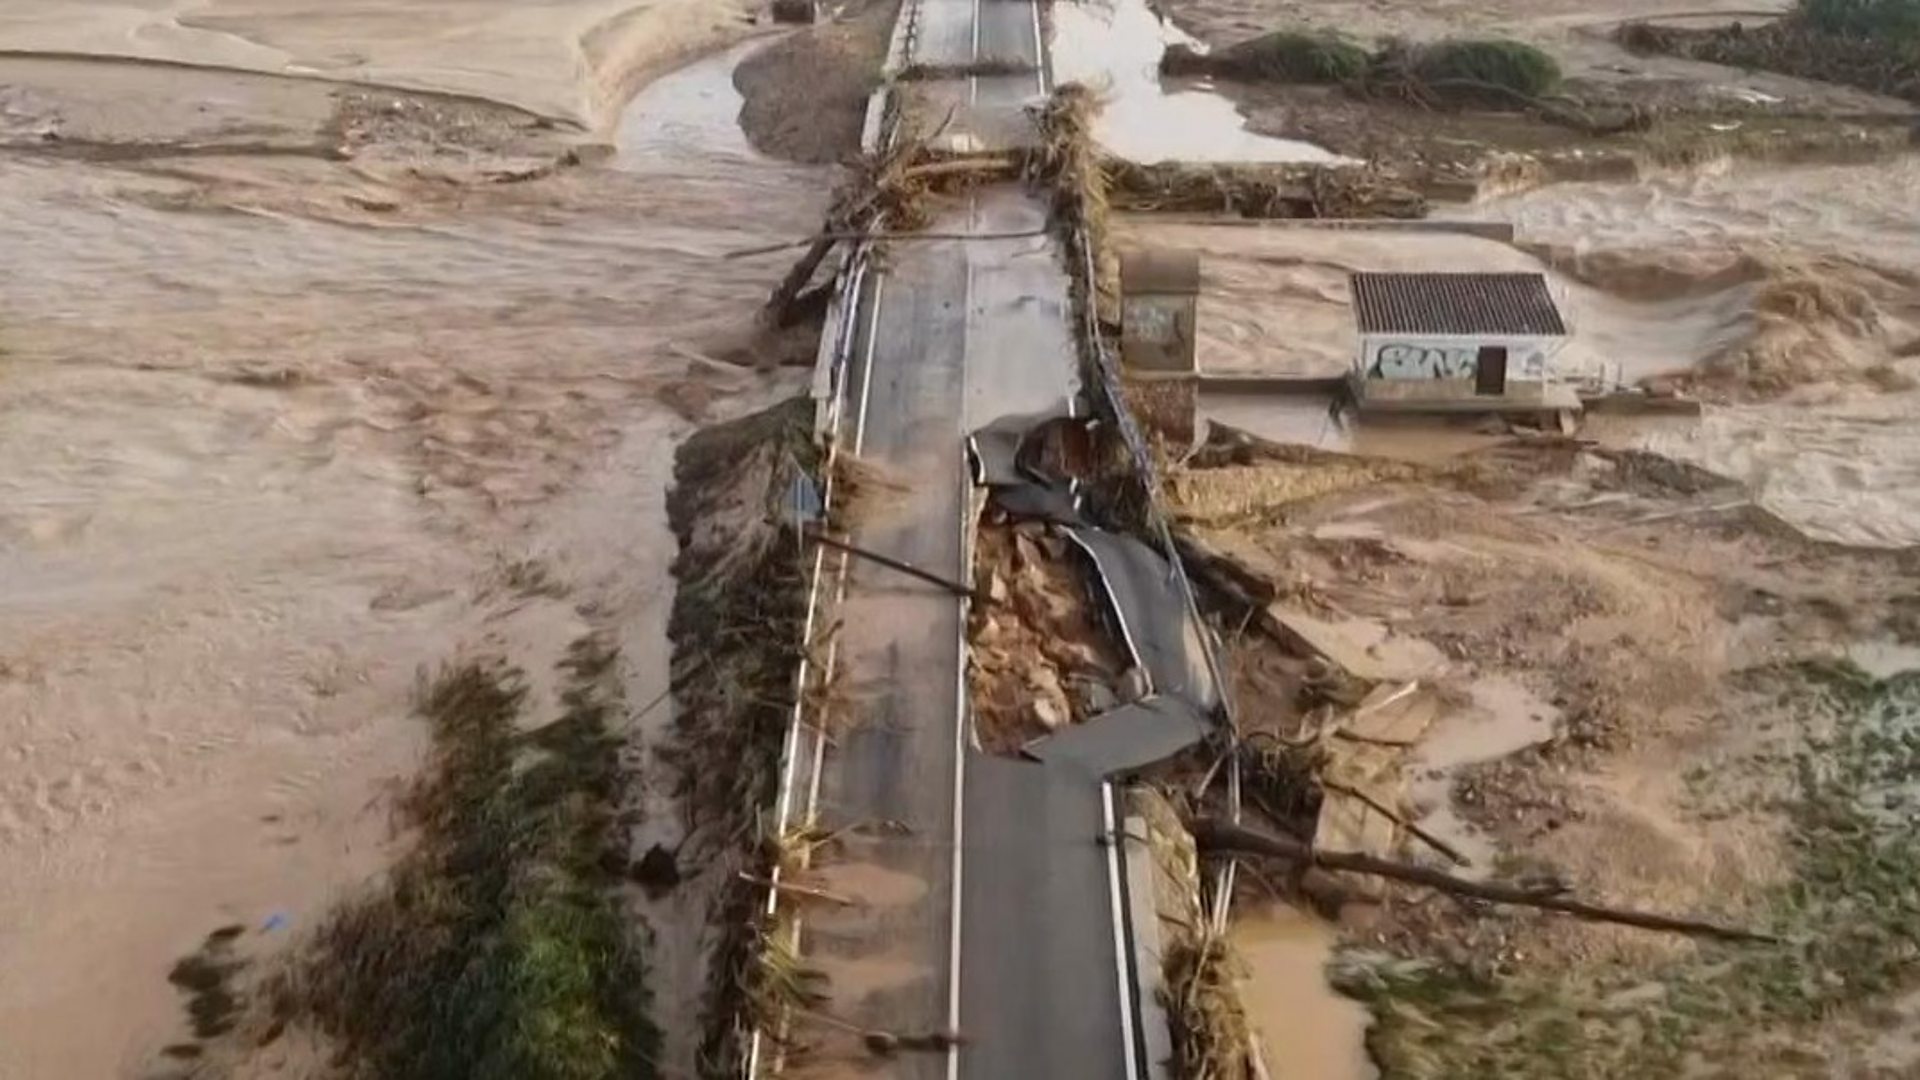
x: 1217, y: 835
x: 798, y: 889
x: 884, y: 237
x: 887, y: 190
x: 1452, y: 853
x: 954, y: 587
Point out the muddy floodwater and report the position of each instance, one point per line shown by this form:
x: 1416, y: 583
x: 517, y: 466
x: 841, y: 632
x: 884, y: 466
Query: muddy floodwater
x: 267, y: 455
x: 1831, y: 255
x: 1796, y: 311
x: 1116, y: 48
x: 1305, y: 1028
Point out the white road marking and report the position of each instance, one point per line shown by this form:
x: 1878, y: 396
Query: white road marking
x: 1122, y: 962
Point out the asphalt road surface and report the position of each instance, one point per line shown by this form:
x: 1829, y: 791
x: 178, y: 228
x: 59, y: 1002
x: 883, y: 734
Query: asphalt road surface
x: 1007, y: 929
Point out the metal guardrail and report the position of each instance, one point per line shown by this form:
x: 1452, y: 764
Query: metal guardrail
x: 1107, y: 380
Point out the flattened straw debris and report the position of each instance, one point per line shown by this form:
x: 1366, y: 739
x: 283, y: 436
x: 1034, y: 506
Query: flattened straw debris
x: 794, y: 888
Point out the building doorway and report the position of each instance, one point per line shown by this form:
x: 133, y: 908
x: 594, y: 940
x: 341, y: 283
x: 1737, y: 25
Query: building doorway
x: 1490, y: 372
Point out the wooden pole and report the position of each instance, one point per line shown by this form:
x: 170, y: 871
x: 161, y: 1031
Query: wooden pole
x: 1215, y: 834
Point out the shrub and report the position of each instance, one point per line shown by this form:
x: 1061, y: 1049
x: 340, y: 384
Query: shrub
x: 1283, y: 56
x: 1296, y: 57
x: 1510, y: 65
x: 1892, y: 21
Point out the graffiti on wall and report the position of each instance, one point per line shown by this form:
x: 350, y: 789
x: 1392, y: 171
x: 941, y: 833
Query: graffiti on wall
x: 1409, y: 361
x: 1424, y: 362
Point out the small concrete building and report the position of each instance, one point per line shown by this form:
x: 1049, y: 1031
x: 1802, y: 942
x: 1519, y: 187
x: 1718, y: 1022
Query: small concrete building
x: 1462, y: 342
x: 1159, y: 292
x: 1159, y: 299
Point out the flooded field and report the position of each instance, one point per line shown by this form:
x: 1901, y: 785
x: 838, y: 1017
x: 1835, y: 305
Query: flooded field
x: 1830, y: 452
x: 1116, y: 49
x: 1784, y: 309
x: 268, y: 454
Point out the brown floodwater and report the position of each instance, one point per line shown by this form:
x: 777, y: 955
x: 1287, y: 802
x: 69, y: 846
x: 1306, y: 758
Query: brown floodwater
x: 1661, y: 277
x: 1305, y: 1028
x: 1503, y: 717
x: 1115, y: 48
x: 1837, y: 457
x: 260, y: 466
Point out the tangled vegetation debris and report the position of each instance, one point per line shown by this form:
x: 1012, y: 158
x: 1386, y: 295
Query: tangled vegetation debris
x: 498, y: 946
x: 1262, y: 191
x: 1871, y: 44
x: 1282, y: 56
x: 1199, y: 968
x: 736, y: 631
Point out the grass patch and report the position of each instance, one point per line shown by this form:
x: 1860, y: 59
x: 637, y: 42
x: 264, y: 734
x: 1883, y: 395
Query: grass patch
x: 1492, y: 71
x: 1465, y: 70
x: 498, y: 947
x: 1283, y: 56
x: 1896, y: 22
x: 1850, y: 920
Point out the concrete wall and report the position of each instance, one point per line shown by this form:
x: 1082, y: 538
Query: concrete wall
x: 1447, y: 357
x: 1442, y: 391
x: 1157, y: 332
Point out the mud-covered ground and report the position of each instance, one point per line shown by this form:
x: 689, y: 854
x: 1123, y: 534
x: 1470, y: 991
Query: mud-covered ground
x: 1631, y: 638
x: 573, y: 60
x: 1618, y: 649
x: 807, y: 94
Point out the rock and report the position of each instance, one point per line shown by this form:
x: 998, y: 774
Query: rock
x: 1047, y: 713
x: 658, y: 871
x: 1095, y: 696
x: 795, y: 11
x: 1026, y: 551
x: 1075, y: 655
x: 1133, y: 684
x: 588, y: 154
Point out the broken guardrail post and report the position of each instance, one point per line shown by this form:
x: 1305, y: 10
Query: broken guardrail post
x: 818, y: 536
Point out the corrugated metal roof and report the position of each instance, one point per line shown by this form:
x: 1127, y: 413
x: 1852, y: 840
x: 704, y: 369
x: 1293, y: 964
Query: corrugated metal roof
x: 1455, y: 304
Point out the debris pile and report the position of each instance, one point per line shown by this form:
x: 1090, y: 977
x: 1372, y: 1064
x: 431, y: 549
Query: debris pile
x: 1263, y: 191
x: 736, y: 632
x: 1039, y: 660
x: 1817, y: 40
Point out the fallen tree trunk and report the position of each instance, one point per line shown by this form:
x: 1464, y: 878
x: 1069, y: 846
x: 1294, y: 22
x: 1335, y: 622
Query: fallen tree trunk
x: 1217, y: 835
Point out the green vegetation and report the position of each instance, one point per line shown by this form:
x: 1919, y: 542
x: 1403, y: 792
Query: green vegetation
x: 1491, y: 71
x: 1885, y: 20
x: 1849, y: 919
x: 1283, y: 56
x: 497, y: 949
x: 1871, y: 44
x: 1509, y: 66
